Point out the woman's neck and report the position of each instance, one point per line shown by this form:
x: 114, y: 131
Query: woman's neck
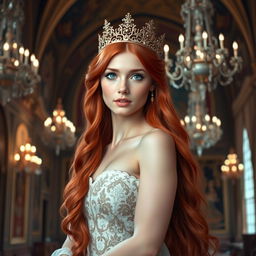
x: 125, y: 127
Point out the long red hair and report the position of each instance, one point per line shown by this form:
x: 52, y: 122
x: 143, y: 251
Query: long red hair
x: 188, y: 232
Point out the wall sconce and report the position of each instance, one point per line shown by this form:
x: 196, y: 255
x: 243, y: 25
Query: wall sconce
x: 27, y: 159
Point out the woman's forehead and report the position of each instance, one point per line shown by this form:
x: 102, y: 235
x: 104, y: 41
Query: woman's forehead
x: 125, y: 61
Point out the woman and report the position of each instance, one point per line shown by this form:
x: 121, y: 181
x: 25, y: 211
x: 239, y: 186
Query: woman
x: 133, y: 189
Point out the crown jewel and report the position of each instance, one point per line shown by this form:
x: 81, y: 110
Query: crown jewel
x: 127, y: 32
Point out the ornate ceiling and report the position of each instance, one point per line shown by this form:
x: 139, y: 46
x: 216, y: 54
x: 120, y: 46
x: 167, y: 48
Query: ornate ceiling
x: 63, y: 34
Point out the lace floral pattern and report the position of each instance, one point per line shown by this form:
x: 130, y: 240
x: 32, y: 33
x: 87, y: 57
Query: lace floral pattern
x: 109, y: 209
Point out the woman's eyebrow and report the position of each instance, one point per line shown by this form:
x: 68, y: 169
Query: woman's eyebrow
x: 130, y: 71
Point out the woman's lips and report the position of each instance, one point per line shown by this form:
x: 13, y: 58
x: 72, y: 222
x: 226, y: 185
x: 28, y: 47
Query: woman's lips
x: 122, y: 102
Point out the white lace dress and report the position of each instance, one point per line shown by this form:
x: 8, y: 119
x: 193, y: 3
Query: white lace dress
x: 109, y: 209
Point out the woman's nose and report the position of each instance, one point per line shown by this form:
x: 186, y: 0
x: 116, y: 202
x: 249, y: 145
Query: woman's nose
x: 123, y: 86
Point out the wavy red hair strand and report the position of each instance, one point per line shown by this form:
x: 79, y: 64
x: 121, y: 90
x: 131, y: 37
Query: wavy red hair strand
x: 188, y: 232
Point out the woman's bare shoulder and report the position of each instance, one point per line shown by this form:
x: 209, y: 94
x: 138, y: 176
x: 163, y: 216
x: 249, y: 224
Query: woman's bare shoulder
x: 156, y: 138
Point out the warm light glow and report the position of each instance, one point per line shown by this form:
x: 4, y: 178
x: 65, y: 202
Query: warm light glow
x: 16, y: 63
x: 27, y: 157
x: 235, y: 45
x: 214, y: 119
x: 224, y: 168
x: 14, y: 46
x: 55, y: 113
x: 193, y: 119
x: 226, y: 162
x: 221, y: 37
x: 6, y: 46
x: 26, y: 53
x: 58, y: 119
x: 53, y: 128
x: 21, y: 50
x: 17, y: 157
x: 198, y: 53
x: 34, y: 159
x: 207, y: 118
x: 204, y: 128
x: 198, y: 126
x: 188, y: 59
x: 166, y: 48
x: 36, y: 63
x: 187, y: 119
x: 28, y: 147
x: 39, y: 161
x: 233, y: 168
x: 240, y: 167
x: 181, y: 38
x: 33, y: 149
x: 48, y: 122
x: 205, y: 35
x: 22, y: 148
x: 32, y: 58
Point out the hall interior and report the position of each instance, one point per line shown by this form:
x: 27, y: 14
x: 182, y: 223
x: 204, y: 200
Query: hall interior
x: 62, y: 35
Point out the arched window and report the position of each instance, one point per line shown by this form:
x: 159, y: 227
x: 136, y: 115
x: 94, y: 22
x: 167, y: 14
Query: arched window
x: 249, y: 196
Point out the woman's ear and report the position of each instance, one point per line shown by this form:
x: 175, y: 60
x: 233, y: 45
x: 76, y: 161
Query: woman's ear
x: 152, y: 87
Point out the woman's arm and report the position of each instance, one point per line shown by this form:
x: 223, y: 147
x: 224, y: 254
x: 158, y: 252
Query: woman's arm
x: 158, y: 183
x: 65, y: 250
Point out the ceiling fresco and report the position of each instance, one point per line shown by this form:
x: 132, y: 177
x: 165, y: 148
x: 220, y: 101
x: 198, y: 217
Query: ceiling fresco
x: 65, y: 39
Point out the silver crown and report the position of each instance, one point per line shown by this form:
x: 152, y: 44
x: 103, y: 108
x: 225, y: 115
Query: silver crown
x: 127, y: 32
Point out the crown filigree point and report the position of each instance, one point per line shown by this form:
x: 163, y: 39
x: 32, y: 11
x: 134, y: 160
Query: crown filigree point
x: 128, y: 32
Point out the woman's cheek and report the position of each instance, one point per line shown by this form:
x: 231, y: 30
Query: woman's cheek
x: 107, y: 92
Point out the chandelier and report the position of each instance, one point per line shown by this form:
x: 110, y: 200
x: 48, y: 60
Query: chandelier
x: 231, y: 167
x: 200, y: 57
x: 204, y: 131
x: 60, y: 132
x: 18, y: 67
x: 27, y: 160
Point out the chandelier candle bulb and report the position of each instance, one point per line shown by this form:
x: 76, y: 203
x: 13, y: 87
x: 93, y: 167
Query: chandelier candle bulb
x: 240, y: 167
x: 187, y: 119
x: 181, y: 40
x: 36, y: 65
x: 166, y: 51
x: 16, y: 63
x: 32, y: 57
x: 205, y: 36
x: 33, y: 149
x: 15, y: 49
x: 21, y: 52
x: 28, y: 147
x: 218, y: 58
x: 53, y: 128
x: 16, y: 157
x: 235, y: 48
x: 193, y: 119
x: 207, y: 118
x: 26, y: 53
x: 6, y: 50
x: 221, y: 39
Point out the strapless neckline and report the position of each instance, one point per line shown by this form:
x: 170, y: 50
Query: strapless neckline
x: 93, y: 181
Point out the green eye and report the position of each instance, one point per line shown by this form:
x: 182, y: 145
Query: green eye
x: 138, y: 77
x: 111, y: 75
